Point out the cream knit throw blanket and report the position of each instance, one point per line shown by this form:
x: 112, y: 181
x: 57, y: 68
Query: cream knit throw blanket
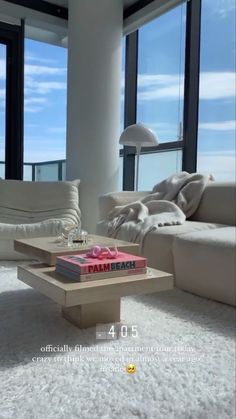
x: 170, y: 203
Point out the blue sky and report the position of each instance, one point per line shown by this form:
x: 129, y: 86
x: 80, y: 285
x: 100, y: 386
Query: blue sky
x: 45, y: 101
x: 160, y: 91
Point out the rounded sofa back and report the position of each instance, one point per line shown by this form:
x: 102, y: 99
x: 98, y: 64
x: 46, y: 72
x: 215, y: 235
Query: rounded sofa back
x: 29, y: 202
x: 218, y: 204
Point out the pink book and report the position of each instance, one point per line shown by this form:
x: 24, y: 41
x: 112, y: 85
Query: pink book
x: 87, y: 265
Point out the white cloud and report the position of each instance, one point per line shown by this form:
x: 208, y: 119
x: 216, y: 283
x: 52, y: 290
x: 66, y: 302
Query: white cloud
x: 217, y: 85
x: 35, y: 100
x: 2, y: 99
x: 159, y: 86
x: 35, y: 150
x: 2, y: 69
x: 218, y: 126
x: 165, y: 131
x: 35, y: 86
x: 43, y: 87
x: 147, y: 80
x: 2, y: 94
x: 2, y: 151
x: 35, y: 104
x: 213, y: 86
x: 36, y: 70
x: 222, y: 7
x: 29, y: 56
x: 33, y: 109
x: 220, y: 164
x: 47, y: 86
x: 160, y: 125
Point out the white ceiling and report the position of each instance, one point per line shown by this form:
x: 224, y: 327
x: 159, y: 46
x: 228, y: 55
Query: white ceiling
x: 64, y: 3
x: 40, y: 26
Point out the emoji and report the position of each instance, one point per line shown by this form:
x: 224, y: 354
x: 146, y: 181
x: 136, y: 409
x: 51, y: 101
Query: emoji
x: 131, y: 369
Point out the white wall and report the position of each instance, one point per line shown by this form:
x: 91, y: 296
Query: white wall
x: 94, y: 66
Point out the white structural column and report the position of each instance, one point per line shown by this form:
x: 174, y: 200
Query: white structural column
x: 93, y: 103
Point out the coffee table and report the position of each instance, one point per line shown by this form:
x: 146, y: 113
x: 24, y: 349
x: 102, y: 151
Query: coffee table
x: 86, y: 303
x: 46, y: 249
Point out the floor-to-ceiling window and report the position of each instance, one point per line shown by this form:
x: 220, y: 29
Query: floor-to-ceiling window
x: 2, y: 108
x: 161, y: 52
x: 11, y: 99
x: 161, y: 74
x: 122, y: 109
x: 44, y: 111
x: 216, y: 133
x: 160, y: 91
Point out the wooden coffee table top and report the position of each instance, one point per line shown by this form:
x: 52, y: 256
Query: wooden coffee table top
x: 46, y: 249
x: 67, y: 293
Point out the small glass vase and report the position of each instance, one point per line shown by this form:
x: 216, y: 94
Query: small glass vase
x: 77, y: 237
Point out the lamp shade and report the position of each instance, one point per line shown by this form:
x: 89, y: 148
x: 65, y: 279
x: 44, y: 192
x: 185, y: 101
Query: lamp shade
x: 138, y: 135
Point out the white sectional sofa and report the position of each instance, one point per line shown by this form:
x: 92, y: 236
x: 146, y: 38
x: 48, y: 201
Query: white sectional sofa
x: 201, y: 252
x: 35, y: 209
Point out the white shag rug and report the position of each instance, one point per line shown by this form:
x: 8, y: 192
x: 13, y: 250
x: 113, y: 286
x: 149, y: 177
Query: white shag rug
x: 184, y: 356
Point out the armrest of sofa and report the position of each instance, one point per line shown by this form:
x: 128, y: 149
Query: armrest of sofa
x: 110, y: 200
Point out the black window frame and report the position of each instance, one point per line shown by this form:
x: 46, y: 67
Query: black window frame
x: 13, y: 37
x: 191, y: 97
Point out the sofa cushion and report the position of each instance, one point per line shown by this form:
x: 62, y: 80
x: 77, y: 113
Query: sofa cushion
x: 21, y: 231
x: 205, y: 263
x: 218, y: 204
x: 10, y: 232
x: 157, y: 245
x: 32, y: 202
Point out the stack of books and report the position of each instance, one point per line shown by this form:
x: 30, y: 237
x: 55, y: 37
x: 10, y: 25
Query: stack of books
x: 83, y: 268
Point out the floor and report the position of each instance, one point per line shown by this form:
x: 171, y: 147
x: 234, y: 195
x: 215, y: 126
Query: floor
x: 184, y: 357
